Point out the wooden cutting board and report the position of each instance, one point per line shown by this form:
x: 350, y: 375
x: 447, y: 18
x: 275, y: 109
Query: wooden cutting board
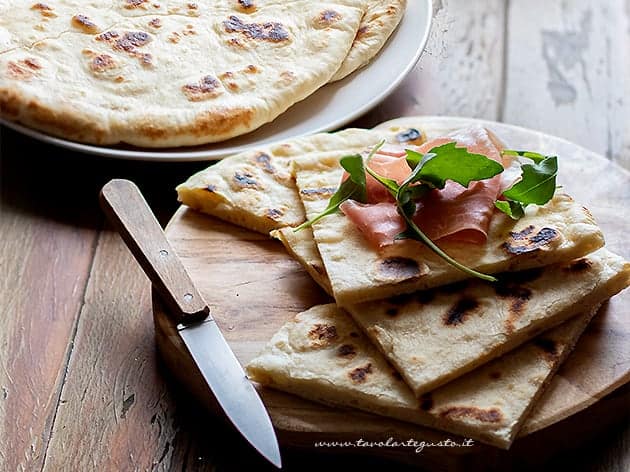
x: 253, y: 287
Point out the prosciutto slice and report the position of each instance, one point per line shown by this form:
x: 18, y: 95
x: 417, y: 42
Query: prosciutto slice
x: 455, y: 212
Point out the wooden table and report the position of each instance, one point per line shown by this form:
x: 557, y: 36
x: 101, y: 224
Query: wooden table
x: 81, y: 386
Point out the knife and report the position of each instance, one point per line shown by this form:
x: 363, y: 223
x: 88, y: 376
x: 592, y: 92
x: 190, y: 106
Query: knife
x: 130, y: 214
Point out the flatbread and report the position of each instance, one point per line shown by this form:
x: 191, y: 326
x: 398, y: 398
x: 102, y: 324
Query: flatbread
x: 175, y: 74
x: 255, y: 189
x: 483, y: 319
x: 561, y: 230
x: 321, y: 355
x: 378, y: 23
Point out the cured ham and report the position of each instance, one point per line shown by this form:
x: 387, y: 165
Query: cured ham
x: 455, y: 212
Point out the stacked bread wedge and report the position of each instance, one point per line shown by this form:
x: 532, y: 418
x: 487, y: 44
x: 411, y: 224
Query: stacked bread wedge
x: 409, y: 335
x: 177, y: 73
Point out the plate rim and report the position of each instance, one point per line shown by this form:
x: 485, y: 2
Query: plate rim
x: 191, y: 155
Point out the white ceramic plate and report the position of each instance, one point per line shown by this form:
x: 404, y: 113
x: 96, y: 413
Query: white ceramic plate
x: 329, y: 108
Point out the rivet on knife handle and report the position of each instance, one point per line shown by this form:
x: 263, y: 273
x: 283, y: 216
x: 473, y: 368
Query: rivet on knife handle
x: 129, y: 212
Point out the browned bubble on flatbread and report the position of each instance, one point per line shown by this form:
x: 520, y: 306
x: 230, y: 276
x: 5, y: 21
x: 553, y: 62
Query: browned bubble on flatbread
x: 359, y: 375
x: 398, y: 269
x: 84, y: 23
x: 529, y: 240
x: 483, y: 415
x: 129, y: 42
x: 102, y: 63
x: 272, y: 31
x: 24, y: 69
x: 322, y: 335
x: 327, y: 18
x: 133, y: 4
x: 44, y: 9
x: 208, y: 87
x: 246, y: 6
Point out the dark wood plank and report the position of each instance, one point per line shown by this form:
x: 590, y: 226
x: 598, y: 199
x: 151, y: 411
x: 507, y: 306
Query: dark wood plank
x: 44, y: 265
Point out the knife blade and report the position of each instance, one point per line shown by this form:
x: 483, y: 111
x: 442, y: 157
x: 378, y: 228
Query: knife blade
x: 130, y: 214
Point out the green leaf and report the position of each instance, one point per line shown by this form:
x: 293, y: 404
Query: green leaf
x: 449, y: 162
x: 514, y: 210
x: 534, y: 156
x: 353, y: 187
x: 537, y: 184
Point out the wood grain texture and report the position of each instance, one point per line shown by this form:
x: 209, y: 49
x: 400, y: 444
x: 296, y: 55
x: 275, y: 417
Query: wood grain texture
x: 44, y: 266
x: 256, y: 288
x: 460, y: 72
x: 568, y: 69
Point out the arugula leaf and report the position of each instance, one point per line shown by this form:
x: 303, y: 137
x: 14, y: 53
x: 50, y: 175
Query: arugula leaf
x: 534, y: 156
x: 448, y: 162
x: 537, y: 185
x: 514, y: 210
x: 353, y: 187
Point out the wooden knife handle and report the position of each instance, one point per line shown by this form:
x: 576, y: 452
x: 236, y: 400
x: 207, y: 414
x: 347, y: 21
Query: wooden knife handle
x: 130, y: 214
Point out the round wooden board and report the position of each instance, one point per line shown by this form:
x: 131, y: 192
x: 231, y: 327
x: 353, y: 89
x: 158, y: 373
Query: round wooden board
x: 253, y: 287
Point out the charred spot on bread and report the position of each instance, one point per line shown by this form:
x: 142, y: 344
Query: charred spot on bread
x: 517, y: 297
x: 270, y: 31
x: 245, y: 180
x: 360, y: 374
x: 347, y: 351
x: 131, y: 40
x: 263, y: 160
x: 484, y: 415
x: 528, y: 240
x: 273, y: 213
x: 317, y: 193
x: 458, y: 313
x: 495, y: 375
x: 155, y: 23
x: 322, y: 335
x: 410, y: 136
x: 549, y: 349
x: 398, y: 269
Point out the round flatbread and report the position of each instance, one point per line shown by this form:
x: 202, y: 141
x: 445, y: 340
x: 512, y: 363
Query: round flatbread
x: 166, y: 73
x: 380, y: 21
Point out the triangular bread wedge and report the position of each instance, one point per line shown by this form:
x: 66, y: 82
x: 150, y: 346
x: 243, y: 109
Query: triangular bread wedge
x: 255, y: 189
x: 484, y: 319
x: 435, y: 336
x: 559, y: 231
x: 321, y: 355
